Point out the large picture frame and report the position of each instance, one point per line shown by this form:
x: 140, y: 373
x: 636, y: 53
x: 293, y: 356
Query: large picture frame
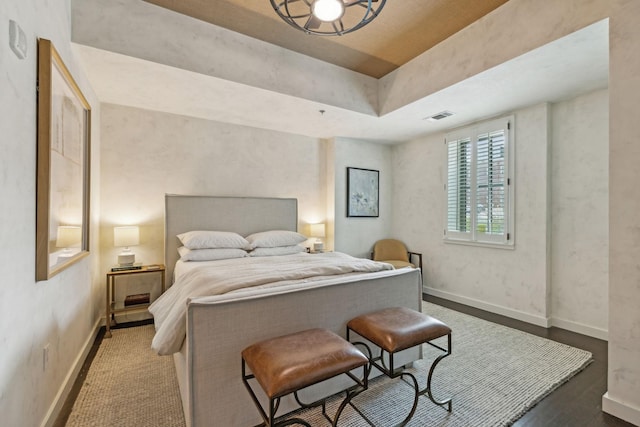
x: 63, y: 166
x: 363, y: 192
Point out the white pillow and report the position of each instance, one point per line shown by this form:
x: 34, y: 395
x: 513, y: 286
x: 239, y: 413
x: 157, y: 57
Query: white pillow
x: 275, y: 239
x: 187, y: 254
x: 281, y: 250
x: 213, y: 239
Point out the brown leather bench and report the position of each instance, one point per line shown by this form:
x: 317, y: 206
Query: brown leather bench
x: 289, y: 363
x: 399, y: 328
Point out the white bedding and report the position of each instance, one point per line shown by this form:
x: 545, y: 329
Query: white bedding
x: 224, y: 276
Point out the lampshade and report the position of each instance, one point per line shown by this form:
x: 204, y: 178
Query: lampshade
x: 68, y: 236
x: 328, y: 17
x: 126, y: 236
x: 317, y: 230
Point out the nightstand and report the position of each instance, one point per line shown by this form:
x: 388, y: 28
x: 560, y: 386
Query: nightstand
x: 133, y: 303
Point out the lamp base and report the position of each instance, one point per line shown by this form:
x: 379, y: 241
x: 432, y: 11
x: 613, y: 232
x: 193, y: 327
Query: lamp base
x: 65, y: 256
x: 126, y: 259
x: 318, y: 246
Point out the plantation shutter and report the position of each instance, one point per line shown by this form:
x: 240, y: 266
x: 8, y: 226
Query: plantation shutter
x: 459, y: 186
x: 478, y: 185
x: 491, y: 193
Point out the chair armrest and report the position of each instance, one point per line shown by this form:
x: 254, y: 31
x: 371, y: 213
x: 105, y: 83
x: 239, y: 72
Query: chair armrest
x: 419, y: 255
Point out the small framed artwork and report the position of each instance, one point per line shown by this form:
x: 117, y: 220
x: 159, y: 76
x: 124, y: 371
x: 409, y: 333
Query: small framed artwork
x: 363, y: 192
x: 62, y: 201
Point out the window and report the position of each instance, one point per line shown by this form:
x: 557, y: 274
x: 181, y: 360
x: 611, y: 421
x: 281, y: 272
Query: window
x: 479, y: 187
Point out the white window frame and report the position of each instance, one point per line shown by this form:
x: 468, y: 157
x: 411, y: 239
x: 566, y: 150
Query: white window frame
x: 465, y: 170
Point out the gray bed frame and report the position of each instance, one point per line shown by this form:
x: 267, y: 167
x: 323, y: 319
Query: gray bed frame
x: 220, y: 327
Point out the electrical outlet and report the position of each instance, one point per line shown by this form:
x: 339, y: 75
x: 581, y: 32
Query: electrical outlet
x: 45, y: 357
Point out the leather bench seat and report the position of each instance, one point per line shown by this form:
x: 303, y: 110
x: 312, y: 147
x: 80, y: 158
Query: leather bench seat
x: 289, y: 363
x: 398, y: 328
x: 286, y: 364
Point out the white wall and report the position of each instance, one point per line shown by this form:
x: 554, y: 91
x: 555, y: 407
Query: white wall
x: 356, y: 236
x: 623, y: 395
x: 146, y: 154
x: 61, y: 312
x: 511, y: 282
x: 558, y: 272
x: 580, y: 213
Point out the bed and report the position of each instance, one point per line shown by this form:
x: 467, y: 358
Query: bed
x: 219, y: 327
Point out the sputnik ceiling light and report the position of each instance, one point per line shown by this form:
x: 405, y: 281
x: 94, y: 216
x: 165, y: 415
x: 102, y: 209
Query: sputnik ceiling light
x: 328, y: 17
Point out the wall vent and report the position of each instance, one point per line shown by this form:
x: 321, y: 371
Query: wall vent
x: 441, y: 115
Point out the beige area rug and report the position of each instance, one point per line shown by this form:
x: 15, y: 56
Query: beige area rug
x: 494, y: 376
x: 128, y: 385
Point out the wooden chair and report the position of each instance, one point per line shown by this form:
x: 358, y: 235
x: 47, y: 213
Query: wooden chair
x: 395, y: 252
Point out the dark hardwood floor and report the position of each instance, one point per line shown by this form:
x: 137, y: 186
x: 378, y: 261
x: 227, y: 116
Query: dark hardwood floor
x: 576, y: 403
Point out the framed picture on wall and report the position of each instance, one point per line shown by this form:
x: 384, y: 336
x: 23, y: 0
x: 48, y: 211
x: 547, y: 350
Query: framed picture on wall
x: 62, y: 201
x: 363, y: 192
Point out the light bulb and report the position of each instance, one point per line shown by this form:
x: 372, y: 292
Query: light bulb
x: 328, y: 10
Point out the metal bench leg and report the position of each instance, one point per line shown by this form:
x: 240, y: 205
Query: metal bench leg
x: 270, y: 419
x: 389, y: 371
x: 427, y: 389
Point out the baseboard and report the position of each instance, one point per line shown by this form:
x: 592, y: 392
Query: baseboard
x: 621, y: 410
x: 590, y: 331
x: 492, y: 308
x: 61, y: 397
x: 568, y: 325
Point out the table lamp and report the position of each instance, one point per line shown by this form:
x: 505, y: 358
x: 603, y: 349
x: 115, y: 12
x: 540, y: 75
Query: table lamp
x: 317, y: 231
x: 68, y: 236
x: 125, y: 237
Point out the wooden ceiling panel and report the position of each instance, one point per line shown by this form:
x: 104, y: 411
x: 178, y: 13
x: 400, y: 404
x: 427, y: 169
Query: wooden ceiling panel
x: 404, y: 29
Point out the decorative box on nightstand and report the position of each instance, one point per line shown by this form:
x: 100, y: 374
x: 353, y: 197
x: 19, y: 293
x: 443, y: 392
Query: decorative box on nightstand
x: 131, y: 302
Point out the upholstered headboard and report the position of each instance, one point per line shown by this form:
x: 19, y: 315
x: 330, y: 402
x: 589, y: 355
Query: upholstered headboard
x: 244, y: 215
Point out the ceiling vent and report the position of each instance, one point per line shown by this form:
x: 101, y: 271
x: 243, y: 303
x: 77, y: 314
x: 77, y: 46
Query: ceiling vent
x: 441, y: 115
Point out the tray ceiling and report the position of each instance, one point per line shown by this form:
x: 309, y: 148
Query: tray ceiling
x: 404, y: 29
